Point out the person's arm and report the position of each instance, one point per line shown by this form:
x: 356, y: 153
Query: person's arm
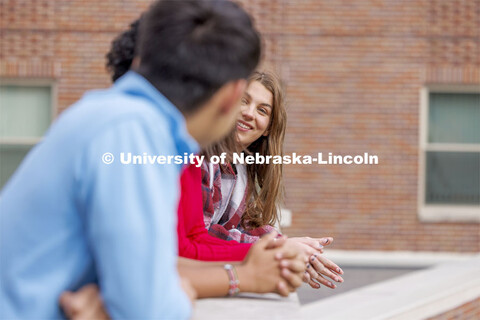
x: 130, y: 223
x: 270, y: 266
x: 203, y: 246
x: 193, y: 239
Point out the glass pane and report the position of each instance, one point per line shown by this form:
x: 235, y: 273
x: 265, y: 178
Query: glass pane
x: 10, y: 158
x: 24, y: 111
x: 454, y: 118
x: 453, y: 178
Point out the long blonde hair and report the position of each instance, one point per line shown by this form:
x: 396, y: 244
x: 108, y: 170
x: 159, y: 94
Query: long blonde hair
x: 265, y: 190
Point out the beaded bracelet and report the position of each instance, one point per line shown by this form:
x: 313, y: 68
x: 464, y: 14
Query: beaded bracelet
x: 234, y: 282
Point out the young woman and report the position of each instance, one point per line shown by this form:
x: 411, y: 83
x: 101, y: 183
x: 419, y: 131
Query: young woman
x: 242, y: 202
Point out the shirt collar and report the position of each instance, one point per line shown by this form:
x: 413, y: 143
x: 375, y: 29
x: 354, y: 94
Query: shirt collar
x: 134, y: 84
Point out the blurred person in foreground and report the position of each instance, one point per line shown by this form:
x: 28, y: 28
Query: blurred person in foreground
x: 72, y: 214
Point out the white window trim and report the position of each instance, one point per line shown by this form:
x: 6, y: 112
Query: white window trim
x: 441, y: 213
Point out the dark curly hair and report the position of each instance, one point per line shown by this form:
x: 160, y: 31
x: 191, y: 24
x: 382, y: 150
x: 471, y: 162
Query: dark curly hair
x: 122, y: 51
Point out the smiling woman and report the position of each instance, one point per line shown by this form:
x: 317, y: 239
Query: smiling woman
x: 242, y: 200
x: 261, y: 126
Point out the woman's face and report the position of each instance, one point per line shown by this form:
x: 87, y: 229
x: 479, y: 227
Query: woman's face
x: 256, y: 110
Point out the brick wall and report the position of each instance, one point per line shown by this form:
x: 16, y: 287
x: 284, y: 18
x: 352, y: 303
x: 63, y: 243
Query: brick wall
x: 65, y: 41
x: 353, y: 71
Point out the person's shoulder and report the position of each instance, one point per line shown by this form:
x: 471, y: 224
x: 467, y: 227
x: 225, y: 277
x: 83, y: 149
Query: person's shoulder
x: 105, y: 108
x: 102, y: 113
x: 112, y: 104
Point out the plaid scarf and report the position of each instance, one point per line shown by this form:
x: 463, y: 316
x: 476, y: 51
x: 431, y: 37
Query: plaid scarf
x: 224, y: 202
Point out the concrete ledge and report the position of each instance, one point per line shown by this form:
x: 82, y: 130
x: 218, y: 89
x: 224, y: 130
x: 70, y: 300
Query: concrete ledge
x: 408, y: 259
x: 416, y: 295
x: 248, y: 306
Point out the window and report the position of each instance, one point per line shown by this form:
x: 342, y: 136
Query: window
x: 25, y: 114
x: 449, y: 186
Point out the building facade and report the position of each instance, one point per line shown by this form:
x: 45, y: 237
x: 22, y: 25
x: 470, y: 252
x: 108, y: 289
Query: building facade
x: 397, y: 79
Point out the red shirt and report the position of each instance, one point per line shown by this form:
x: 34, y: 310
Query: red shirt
x: 194, y: 242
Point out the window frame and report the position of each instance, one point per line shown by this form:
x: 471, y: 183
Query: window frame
x: 37, y: 82
x: 441, y: 212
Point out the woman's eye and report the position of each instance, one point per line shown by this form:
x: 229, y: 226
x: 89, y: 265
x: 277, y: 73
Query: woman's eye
x: 263, y: 110
x: 244, y: 101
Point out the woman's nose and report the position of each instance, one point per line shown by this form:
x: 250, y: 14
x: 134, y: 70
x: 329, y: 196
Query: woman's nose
x: 247, y: 111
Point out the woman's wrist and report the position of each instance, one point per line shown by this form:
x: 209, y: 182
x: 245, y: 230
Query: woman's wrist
x: 245, y: 278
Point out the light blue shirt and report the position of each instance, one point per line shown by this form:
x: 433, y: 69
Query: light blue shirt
x: 68, y: 219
